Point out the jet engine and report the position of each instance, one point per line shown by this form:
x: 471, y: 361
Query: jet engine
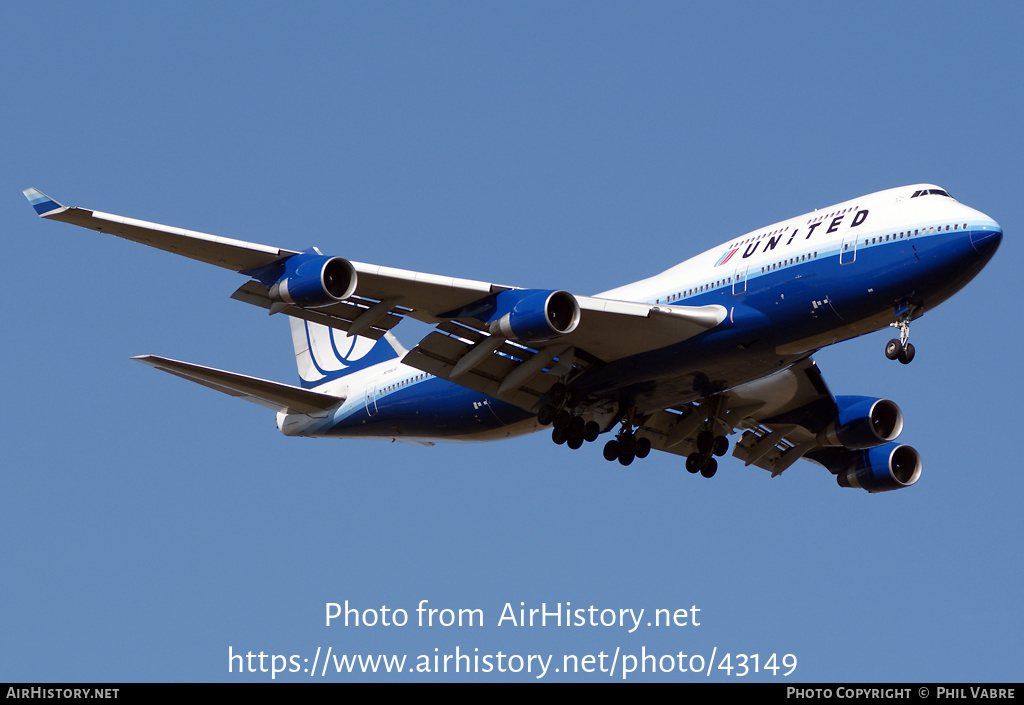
x: 863, y: 422
x: 532, y: 315
x: 892, y: 466
x: 312, y: 281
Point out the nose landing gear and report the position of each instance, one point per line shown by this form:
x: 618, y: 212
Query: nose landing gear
x: 901, y: 349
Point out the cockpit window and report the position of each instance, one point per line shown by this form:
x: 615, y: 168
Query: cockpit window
x: 931, y: 192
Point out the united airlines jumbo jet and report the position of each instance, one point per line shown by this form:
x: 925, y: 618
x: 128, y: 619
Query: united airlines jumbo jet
x: 717, y: 345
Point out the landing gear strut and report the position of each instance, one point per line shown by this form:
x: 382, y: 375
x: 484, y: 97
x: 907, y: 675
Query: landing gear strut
x: 901, y: 349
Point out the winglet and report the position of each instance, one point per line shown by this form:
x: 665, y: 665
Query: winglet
x: 40, y: 201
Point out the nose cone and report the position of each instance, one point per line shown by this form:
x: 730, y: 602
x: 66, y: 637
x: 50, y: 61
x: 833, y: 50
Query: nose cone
x: 986, y: 239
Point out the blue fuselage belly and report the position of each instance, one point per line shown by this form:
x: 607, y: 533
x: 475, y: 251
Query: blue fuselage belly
x: 431, y: 408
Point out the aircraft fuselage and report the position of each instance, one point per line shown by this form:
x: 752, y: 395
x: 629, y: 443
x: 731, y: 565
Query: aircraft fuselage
x: 790, y: 288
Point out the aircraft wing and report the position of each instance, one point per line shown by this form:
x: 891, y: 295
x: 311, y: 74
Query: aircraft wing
x: 221, y: 251
x: 430, y: 293
x: 463, y: 351
x: 607, y: 329
x: 779, y: 415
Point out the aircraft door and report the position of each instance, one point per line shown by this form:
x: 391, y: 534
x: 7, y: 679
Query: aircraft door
x: 739, y: 281
x: 848, y: 250
x: 371, y: 400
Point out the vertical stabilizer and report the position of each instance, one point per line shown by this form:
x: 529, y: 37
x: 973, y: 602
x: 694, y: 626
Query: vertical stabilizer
x: 323, y: 354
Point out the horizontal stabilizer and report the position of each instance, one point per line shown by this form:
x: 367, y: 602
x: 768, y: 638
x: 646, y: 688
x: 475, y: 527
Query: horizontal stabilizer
x: 273, y: 395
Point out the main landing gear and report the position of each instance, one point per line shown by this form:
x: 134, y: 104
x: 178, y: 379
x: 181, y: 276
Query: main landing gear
x: 570, y: 428
x: 567, y: 427
x: 901, y: 349
x: 626, y: 446
x: 703, y: 459
x: 707, y: 445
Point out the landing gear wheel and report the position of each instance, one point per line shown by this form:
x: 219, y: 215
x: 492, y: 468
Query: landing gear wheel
x: 721, y: 446
x: 893, y: 349
x: 611, y: 450
x: 591, y: 431
x: 576, y: 427
x: 559, y: 435
x: 710, y: 468
x: 546, y: 414
x: 625, y: 458
x: 575, y: 442
x: 562, y: 419
x: 693, y: 463
x: 643, y: 447
x: 627, y: 445
x: 901, y: 349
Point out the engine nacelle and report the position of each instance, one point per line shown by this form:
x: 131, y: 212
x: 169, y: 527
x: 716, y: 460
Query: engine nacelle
x: 888, y: 467
x: 312, y: 281
x: 532, y: 315
x: 863, y: 422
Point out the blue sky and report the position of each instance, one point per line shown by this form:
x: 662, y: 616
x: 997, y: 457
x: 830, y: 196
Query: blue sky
x: 150, y: 524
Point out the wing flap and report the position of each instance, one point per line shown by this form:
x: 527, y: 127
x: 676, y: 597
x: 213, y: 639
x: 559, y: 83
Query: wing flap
x: 774, y: 448
x: 272, y: 395
x: 783, y: 408
x: 440, y: 352
x: 341, y: 315
x: 776, y: 414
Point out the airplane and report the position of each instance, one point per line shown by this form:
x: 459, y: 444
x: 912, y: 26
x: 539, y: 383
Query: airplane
x: 717, y: 345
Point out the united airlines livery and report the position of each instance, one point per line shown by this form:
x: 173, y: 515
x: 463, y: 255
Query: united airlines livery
x: 718, y: 345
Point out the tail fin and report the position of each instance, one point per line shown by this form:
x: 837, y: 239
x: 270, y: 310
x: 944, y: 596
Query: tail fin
x: 323, y: 354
